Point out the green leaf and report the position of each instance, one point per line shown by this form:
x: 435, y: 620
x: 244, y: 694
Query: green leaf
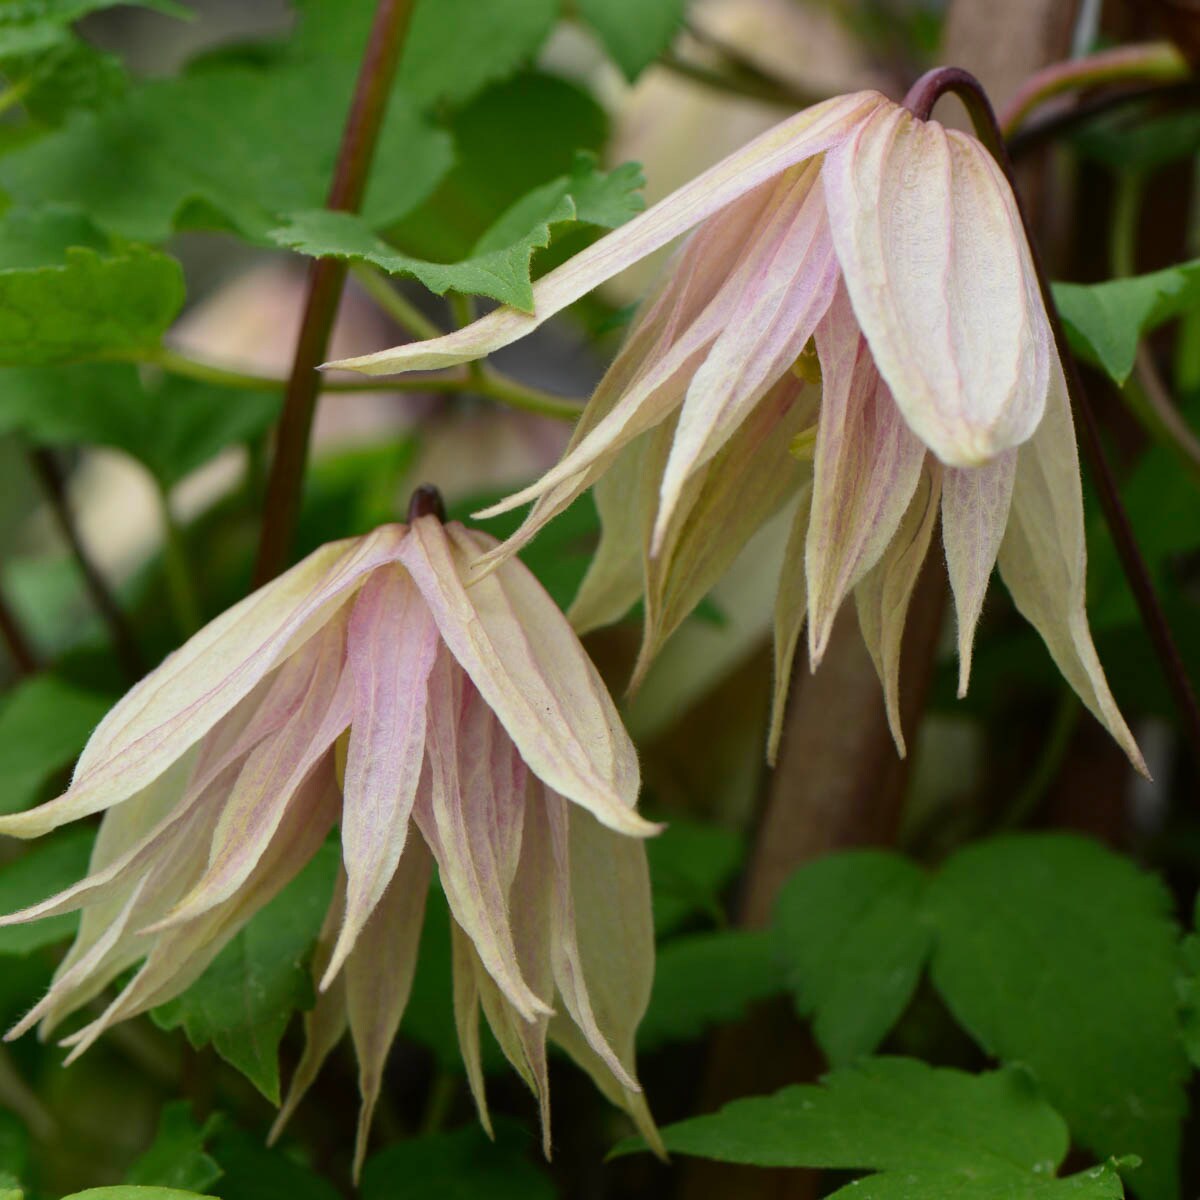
x: 177, y: 1159
x: 1139, y: 138
x: 223, y: 146
x: 1056, y: 953
x: 1187, y: 987
x: 47, y: 867
x: 91, y: 305
x: 500, y: 263
x: 691, y: 864
x: 34, y: 25
x: 44, y: 723
x: 706, y: 979
x: 126, y: 1192
x: 1105, y: 321
x: 852, y: 934
x: 635, y: 32
x: 253, y: 1172
x: 245, y: 999
x: 462, y: 1165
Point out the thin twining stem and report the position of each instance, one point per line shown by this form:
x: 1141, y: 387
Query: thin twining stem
x: 921, y: 98
x: 54, y: 485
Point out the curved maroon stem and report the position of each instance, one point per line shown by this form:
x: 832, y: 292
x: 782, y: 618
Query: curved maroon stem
x: 922, y: 96
x: 426, y: 501
x: 325, y: 279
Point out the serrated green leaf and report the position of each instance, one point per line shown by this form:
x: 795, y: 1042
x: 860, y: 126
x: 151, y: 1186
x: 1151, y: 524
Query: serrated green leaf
x: 852, y: 934
x: 691, y: 864
x: 462, y: 1165
x: 223, y: 146
x: 177, y: 1159
x: 44, y: 723
x: 127, y: 1192
x: 70, y: 76
x: 634, y: 32
x: 243, y: 1002
x: 1105, y: 321
x: 34, y: 25
x: 499, y: 265
x: 1056, y: 953
x: 254, y: 1172
x: 706, y: 979
x: 48, y: 866
x: 1187, y: 987
x: 171, y: 426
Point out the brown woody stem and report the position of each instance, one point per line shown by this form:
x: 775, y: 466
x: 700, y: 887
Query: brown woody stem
x: 426, y: 501
x: 326, y: 277
x: 921, y: 98
x: 50, y: 475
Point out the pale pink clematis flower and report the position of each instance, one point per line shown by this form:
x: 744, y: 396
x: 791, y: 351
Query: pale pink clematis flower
x: 893, y: 248
x: 438, y: 725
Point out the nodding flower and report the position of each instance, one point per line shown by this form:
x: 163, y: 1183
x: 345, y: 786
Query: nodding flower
x: 883, y: 255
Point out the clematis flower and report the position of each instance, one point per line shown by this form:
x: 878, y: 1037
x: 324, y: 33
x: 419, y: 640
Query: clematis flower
x: 879, y: 253
x: 439, y: 726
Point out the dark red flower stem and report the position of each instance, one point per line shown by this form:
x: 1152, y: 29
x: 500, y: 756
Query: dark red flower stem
x: 922, y: 96
x: 325, y: 279
x: 426, y: 501
x: 50, y: 475
x: 20, y: 648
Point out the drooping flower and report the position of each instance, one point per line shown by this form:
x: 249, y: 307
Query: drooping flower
x: 885, y: 255
x: 467, y: 729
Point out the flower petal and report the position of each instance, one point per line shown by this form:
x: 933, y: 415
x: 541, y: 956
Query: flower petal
x: 883, y: 594
x: 466, y: 969
x: 180, y: 701
x: 934, y: 256
x: 791, y: 611
x: 1043, y: 560
x: 802, y: 136
x: 865, y: 469
x: 975, y: 504
x: 519, y: 651
x: 391, y: 645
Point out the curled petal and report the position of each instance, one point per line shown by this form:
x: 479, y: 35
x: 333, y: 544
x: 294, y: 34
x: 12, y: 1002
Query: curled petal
x: 1043, y: 561
x: 806, y: 134
x: 934, y: 256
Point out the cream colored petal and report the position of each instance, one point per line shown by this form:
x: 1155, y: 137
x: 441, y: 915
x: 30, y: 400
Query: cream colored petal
x: 1043, y: 560
x: 466, y: 970
x: 975, y: 504
x: 180, y: 701
x: 379, y: 976
x: 791, y: 288
x: 530, y: 668
x: 883, y: 594
x: 936, y: 262
x: 865, y: 469
x: 391, y: 645
x: 791, y: 611
x: 722, y: 507
x: 800, y: 137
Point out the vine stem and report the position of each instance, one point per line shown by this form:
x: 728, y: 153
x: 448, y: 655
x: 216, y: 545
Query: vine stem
x: 326, y: 278
x: 921, y: 98
x: 53, y: 482
x: 20, y: 648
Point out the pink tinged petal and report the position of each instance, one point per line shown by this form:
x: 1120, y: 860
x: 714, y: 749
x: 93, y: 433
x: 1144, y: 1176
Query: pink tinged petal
x: 325, y: 1022
x: 883, y: 594
x: 466, y: 969
x: 722, y: 507
x: 610, y: 886
x: 522, y: 655
x: 806, y: 134
x: 789, y: 291
x: 459, y: 813
x: 269, y: 783
x: 791, y: 611
x: 180, y: 956
x: 975, y: 504
x: 865, y: 469
x: 391, y: 646
x: 179, y: 702
x: 935, y: 259
x: 379, y: 975
x: 1043, y: 561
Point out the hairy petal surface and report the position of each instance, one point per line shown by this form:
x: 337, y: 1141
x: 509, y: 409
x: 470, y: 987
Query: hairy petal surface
x: 935, y: 259
x: 865, y: 469
x: 975, y: 504
x: 1043, y: 561
x: 883, y: 594
x: 792, y: 141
